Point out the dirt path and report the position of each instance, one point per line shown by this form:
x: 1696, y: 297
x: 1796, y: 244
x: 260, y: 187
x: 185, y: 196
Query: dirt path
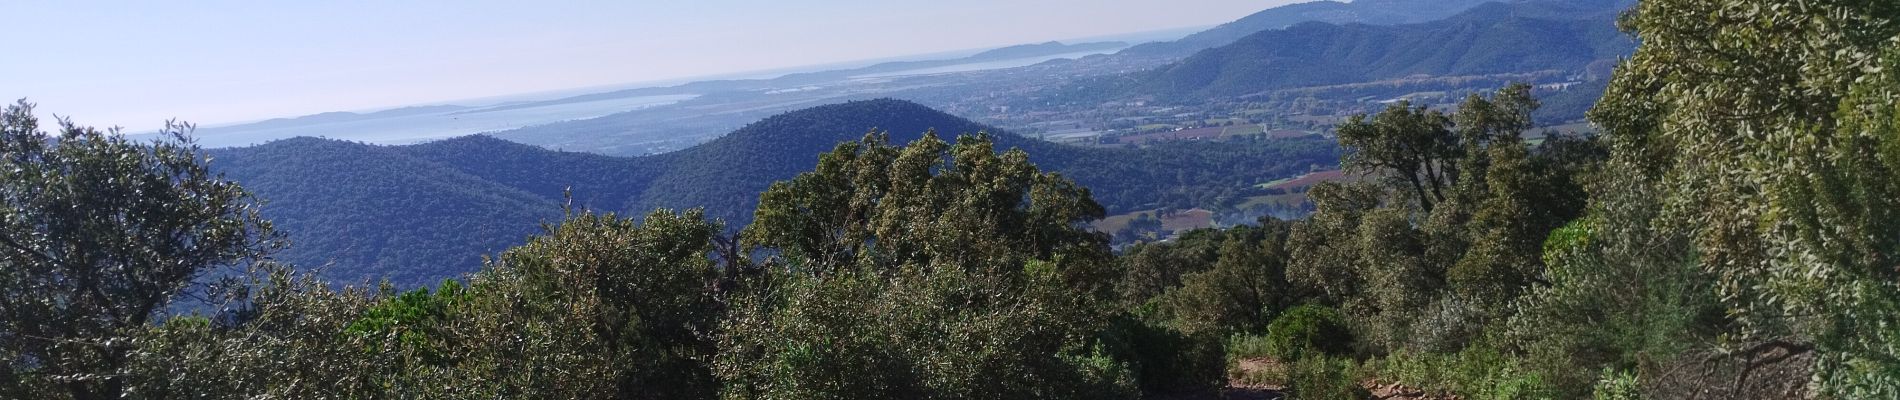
x: 1239, y: 389
x: 1399, y: 392
x: 1242, y: 389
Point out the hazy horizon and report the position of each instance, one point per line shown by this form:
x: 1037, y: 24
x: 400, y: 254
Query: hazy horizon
x: 224, y: 62
x: 769, y: 73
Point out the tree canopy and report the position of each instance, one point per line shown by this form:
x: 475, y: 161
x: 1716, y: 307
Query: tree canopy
x: 98, y: 237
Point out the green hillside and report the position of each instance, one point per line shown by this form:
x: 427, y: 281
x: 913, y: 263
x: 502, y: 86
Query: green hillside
x: 423, y: 212
x: 724, y: 175
x: 359, y: 211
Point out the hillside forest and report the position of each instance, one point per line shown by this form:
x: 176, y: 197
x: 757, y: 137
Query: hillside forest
x: 1731, y: 232
x: 419, y: 213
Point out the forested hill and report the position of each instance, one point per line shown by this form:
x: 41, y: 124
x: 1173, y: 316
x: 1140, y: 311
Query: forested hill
x: 1489, y: 39
x: 1374, y: 12
x: 359, y: 211
x: 594, y: 181
x: 726, y: 174
x: 423, y: 212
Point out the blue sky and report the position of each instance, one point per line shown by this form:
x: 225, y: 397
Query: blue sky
x: 137, y: 63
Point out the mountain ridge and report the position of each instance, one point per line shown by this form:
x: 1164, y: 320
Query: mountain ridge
x: 423, y: 212
x: 1380, y: 12
x: 1487, y: 39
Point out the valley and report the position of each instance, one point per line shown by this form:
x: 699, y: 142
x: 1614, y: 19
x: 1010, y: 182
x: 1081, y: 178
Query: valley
x: 1327, y: 200
x: 1167, y: 144
x: 416, y: 213
x: 1084, y: 93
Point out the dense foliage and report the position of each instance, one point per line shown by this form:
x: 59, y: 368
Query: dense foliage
x: 357, y: 212
x: 1728, y: 237
x: 97, y: 235
x: 1308, y: 329
x: 1766, y: 132
x: 927, y: 271
x: 1428, y: 260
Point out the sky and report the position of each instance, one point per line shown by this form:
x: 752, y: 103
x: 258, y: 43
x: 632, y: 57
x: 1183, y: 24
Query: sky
x: 137, y: 63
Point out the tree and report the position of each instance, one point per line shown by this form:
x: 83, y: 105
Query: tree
x: 1507, y: 230
x: 277, y: 333
x: 599, y: 307
x: 927, y: 271
x: 1244, y: 289
x: 1148, y: 270
x: 1770, y: 127
x: 98, y: 236
x: 871, y: 205
x: 1508, y: 200
x: 1452, y: 235
x: 1324, y: 246
x: 1413, y: 145
x: 1366, y: 258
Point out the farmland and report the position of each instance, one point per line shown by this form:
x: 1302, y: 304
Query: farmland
x: 1302, y: 182
x: 1172, y: 222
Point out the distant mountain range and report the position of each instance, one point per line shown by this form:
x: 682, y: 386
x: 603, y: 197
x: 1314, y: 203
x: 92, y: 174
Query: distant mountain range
x: 409, y: 123
x: 1494, y: 38
x: 423, y: 212
x: 341, y: 116
x: 635, y: 121
x: 1371, y: 12
x: 428, y: 211
x: 1269, y: 59
x: 1361, y: 12
x: 791, y: 80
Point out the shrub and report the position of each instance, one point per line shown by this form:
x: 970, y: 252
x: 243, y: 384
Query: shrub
x: 1308, y: 328
x: 1165, y: 360
x: 409, y: 321
x: 1111, y: 378
x: 1617, y: 385
x: 1325, y: 378
x: 1240, y: 349
x: 1241, y: 346
x: 1478, y: 372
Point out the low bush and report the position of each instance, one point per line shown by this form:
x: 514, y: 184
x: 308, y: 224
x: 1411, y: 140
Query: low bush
x: 1478, y: 372
x: 1308, y: 328
x: 1617, y: 385
x: 1321, y: 377
x: 1165, y: 360
x: 1244, y: 346
x: 1245, y: 364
